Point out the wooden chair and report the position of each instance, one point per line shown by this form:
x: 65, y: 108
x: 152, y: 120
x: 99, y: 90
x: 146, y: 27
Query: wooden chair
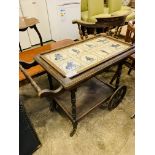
x: 130, y: 37
x: 25, y: 23
x: 106, y: 23
x: 26, y: 58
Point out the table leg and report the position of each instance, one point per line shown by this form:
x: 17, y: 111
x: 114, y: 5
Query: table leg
x: 80, y: 31
x: 20, y: 47
x: 35, y: 27
x: 117, y: 75
x: 85, y: 32
x: 131, y: 67
x: 73, y: 101
x: 53, y: 103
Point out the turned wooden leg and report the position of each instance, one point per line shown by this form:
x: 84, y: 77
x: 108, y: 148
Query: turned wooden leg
x: 131, y: 67
x: 73, y: 102
x: 95, y: 31
x: 80, y: 31
x: 85, y: 32
x: 52, y: 103
x: 117, y: 75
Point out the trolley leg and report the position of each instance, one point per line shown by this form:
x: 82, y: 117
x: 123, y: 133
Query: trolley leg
x: 52, y: 103
x: 131, y: 67
x: 74, y: 122
x: 117, y: 75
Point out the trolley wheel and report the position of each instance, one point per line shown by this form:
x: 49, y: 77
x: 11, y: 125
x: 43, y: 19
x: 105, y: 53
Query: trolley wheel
x: 117, y: 97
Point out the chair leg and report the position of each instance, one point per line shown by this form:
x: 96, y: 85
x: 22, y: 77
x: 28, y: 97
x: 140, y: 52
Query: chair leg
x: 80, y: 31
x: 131, y: 67
x: 20, y: 48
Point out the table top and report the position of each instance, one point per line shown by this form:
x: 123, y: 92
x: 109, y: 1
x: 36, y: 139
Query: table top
x: 88, y: 70
x: 25, y: 22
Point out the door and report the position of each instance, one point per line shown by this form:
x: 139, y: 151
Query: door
x: 61, y: 14
x: 37, y: 9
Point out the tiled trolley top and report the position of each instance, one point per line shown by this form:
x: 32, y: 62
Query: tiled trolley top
x: 75, y: 59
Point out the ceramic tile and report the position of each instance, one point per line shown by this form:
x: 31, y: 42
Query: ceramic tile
x: 75, y: 59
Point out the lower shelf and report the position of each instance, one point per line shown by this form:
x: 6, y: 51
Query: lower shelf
x: 88, y: 96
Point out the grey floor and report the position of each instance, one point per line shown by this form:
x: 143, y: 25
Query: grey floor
x: 101, y: 132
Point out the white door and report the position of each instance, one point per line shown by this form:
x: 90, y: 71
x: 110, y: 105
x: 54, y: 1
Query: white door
x: 37, y: 9
x: 61, y: 14
x: 23, y: 36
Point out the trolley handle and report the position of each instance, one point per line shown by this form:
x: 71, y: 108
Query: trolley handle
x: 44, y: 92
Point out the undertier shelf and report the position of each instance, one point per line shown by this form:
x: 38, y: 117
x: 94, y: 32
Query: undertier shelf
x: 88, y: 96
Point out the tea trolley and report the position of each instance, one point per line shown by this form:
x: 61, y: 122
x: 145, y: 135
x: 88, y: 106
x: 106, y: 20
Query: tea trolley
x: 79, y: 90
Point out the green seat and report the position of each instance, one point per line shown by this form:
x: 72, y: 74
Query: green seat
x: 116, y: 9
x: 84, y: 5
x: 92, y: 9
x: 95, y: 9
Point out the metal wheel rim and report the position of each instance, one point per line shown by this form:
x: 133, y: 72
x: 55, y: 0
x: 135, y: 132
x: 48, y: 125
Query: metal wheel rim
x: 117, y: 97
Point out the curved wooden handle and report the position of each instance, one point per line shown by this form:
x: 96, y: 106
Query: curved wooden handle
x: 44, y: 92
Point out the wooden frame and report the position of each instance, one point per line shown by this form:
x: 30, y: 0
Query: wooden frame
x: 66, y: 95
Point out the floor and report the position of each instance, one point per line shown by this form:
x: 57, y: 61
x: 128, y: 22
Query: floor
x: 101, y: 132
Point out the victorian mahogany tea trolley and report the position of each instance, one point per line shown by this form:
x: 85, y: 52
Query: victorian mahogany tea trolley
x: 75, y: 67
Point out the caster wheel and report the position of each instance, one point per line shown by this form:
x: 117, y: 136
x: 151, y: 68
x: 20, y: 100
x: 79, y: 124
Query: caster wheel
x: 117, y: 97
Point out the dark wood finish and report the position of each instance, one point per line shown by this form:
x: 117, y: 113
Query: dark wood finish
x: 28, y: 65
x: 132, y: 66
x: 68, y: 83
x: 44, y: 92
x: 20, y: 47
x: 83, y: 93
x: 90, y: 91
x: 40, y: 37
x: 106, y: 22
x: 117, y: 74
x: 74, y: 113
x: 130, y: 34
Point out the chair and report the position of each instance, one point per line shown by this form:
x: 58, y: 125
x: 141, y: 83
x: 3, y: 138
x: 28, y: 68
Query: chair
x: 25, y: 23
x: 92, y: 9
x: 130, y: 37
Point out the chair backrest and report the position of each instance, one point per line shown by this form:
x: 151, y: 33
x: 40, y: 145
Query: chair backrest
x: 84, y: 5
x: 95, y: 7
x: 130, y: 33
x: 114, y: 5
